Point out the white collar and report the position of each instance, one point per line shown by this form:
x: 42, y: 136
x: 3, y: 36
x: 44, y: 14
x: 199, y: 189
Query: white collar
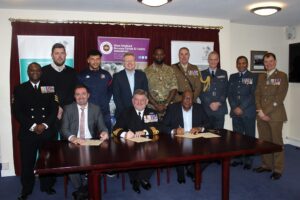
x: 58, y: 68
x: 190, y: 110
x: 33, y: 84
x: 79, y: 106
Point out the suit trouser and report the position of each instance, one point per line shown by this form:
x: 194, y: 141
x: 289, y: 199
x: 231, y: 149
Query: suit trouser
x: 28, y: 150
x: 216, y: 121
x: 190, y: 169
x: 246, y: 126
x: 272, y: 132
x: 77, y: 180
x: 144, y: 174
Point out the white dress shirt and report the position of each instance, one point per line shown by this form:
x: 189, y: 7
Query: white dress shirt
x: 187, y: 119
x: 130, y: 77
x: 87, y: 134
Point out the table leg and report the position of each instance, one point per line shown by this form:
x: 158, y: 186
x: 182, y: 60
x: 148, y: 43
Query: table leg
x: 198, y: 176
x: 225, y: 178
x: 94, y: 186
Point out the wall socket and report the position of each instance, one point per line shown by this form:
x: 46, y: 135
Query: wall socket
x: 5, y: 166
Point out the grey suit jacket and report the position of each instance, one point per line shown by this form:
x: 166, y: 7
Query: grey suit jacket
x: 70, y: 121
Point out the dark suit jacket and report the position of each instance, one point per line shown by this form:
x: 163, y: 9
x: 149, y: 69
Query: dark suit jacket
x: 174, y: 117
x: 241, y: 93
x: 129, y: 120
x: 31, y: 106
x: 121, y: 89
x: 70, y: 120
x: 217, y: 92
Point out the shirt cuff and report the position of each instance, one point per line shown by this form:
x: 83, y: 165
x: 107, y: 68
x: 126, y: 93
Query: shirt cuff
x: 123, y: 134
x: 146, y: 132
x: 69, y: 138
x: 46, y: 126
x: 32, y: 127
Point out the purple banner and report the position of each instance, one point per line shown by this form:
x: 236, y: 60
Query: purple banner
x: 113, y: 48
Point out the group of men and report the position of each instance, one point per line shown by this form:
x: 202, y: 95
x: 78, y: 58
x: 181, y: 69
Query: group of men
x: 161, y: 99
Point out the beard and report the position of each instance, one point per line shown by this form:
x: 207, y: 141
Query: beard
x: 59, y: 64
x: 159, y: 62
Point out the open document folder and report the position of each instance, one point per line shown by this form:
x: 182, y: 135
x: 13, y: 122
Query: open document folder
x: 199, y: 135
x: 140, y: 139
x: 92, y: 142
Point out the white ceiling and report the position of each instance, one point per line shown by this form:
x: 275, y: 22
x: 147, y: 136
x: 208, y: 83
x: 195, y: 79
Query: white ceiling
x: 233, y: 10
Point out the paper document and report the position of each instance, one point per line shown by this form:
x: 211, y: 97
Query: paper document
x: 92, y: 142
x: 203, y: 135
x: 140, y: 139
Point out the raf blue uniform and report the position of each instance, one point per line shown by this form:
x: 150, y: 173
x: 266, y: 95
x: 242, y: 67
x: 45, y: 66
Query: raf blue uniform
x: 241, y: 93
x: 217, y: 92
x: 99, y: 83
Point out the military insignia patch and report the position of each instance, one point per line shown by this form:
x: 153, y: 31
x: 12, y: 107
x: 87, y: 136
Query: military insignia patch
x: 47, y: 89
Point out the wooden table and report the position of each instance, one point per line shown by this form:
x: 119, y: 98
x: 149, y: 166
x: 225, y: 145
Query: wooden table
x: 119, y: 155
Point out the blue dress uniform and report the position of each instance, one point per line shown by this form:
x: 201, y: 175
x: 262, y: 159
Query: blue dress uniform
x: 99, y: 83
x: 216, y: 92
x: 31, y: 107
x: 241, y: 93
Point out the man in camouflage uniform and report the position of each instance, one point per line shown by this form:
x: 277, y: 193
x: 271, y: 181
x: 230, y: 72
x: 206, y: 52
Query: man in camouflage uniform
x: 187, y: 75
x: 162, y: 83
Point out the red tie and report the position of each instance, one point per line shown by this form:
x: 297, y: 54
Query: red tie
x: 81, y: 124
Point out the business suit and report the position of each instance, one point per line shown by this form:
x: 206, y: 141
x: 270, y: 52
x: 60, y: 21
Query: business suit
x: 241, y: 94
x: 130, y: 120
x: 269, y: 97
x: 187, y: 80
x: 174, y: 119
x: 122, y: 93
x: 31, y: 107
x: 70, y: 120
x: 70, y: 126
x: 217, y: 92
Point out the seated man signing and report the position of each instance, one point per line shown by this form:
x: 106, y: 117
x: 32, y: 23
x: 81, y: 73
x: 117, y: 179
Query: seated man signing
x: 185, y: 116
x: 138, y: 121
x: 82, y: 120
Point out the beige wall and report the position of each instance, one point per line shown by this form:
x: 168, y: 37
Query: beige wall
x: 235, y: 39
x: 293, y: 109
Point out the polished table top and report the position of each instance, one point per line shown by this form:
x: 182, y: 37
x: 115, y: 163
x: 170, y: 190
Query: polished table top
x: 119, y: 154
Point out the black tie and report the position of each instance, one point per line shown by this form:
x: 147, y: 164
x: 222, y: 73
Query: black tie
x: 35, y: 87
x: 213, y: 73
x: 140, y: 115
x: 241, y: 75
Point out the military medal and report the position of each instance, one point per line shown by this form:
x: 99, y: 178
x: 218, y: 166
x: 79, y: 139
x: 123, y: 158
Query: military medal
x: 47, y: 89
